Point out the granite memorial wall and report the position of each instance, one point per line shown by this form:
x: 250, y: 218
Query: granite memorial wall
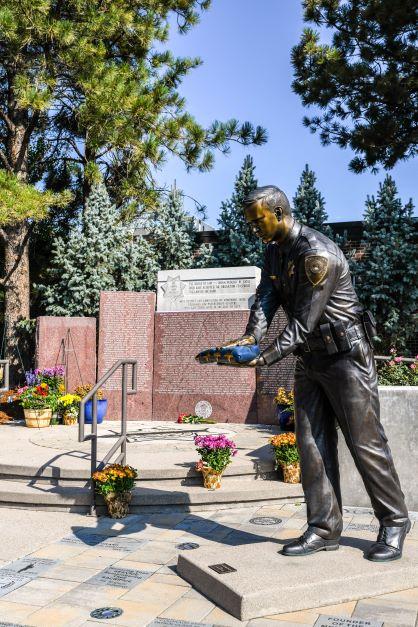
x: 195, y: 309
x: 126, y: 330
x: 69, y: 342
x: 180, y: 382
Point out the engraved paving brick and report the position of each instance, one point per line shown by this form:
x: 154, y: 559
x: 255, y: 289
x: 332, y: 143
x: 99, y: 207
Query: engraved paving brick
x: 125, y: 545
x: 119, y: 577
x: 342, y: 621
x: 29, y: 567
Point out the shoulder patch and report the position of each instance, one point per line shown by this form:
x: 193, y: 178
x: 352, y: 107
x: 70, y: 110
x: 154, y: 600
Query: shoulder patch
x: 316, y: 268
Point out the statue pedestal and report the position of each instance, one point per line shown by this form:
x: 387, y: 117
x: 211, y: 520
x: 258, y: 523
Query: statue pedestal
x: 265, y: 582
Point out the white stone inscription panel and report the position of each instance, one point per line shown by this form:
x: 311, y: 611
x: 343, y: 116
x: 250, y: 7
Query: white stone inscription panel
x: 207, y: 289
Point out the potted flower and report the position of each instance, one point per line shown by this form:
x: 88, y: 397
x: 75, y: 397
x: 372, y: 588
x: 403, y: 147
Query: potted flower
x: 54, y: 379
x: 82, y: 391
x: 36, y: 403
x: 285, y: 408
x: 286, y: 454
x: 216, y: 452
x: 70, y: 407
x: 115, y: 483
x: 192, y: 419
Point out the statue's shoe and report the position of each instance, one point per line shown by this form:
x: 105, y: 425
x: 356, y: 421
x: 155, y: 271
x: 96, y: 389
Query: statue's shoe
x: 309, y: 543
x: 389, y: 544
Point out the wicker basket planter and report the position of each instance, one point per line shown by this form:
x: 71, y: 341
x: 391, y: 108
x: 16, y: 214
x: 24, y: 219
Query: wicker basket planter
x: 118, y: 503
x: 69, y: 419
x: 37, y: 418
x: 291, y: 473
x: 211, y: 478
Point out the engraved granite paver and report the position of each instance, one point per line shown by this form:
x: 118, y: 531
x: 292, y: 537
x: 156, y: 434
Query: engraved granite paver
x: 11, y: 581
x: 126, y: 545
x: 119, y: 577
x: 30, y: 567
x: 343, y: 621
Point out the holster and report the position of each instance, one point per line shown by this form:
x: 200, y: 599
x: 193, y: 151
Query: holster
x: 369, y: 326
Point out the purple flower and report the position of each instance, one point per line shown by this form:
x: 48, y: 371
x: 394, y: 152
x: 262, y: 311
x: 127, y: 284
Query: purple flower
x: 32, y: 377
x: 213, y: 442
x: 398, y: 359
x: 57, y: 371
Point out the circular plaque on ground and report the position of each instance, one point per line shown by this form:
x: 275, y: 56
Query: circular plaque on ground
x: 187, y: 546
x: 265, y: 520
x: 106, y: 612
x: 203, y: 409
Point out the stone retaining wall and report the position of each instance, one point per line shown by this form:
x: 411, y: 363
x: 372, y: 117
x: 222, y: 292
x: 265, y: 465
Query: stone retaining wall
x: 399, y: 416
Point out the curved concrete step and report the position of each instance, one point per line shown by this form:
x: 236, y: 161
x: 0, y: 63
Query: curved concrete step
x: 17, y: 472
x: 148, y: 494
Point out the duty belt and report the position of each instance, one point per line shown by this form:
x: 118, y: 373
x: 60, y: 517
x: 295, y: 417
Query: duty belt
x: 332, y: 338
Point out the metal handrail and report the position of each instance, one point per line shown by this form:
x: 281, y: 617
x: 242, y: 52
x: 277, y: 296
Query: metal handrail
x: 121, y: 441
x: 407, y: 360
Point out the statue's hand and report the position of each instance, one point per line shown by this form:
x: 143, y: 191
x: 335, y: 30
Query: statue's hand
x: 212, y: 355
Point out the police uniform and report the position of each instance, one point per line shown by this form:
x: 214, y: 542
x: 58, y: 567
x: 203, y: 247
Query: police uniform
x: 335, y: 375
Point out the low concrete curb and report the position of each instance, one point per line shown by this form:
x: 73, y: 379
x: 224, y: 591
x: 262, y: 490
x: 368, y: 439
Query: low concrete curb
x: 265, y: 582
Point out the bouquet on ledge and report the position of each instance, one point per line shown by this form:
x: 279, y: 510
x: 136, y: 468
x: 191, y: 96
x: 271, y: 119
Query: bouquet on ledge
x: 216, y: 452
x: 115, y: 484
x: 192, y: 419
x: 287, y: 458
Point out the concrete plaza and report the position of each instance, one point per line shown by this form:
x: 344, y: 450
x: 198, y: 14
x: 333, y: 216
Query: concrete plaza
x: 67, y: 565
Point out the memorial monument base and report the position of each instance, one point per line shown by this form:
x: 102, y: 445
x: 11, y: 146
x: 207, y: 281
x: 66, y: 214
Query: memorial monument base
x: 264, y: 582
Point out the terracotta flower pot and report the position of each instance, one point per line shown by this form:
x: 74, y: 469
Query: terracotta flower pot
x: 211, y: 478
x: 37, y: 418
x: 291, y: 473
x: 118, y: 503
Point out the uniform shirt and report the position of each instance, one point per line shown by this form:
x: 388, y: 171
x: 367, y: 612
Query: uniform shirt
x: 309, y: 277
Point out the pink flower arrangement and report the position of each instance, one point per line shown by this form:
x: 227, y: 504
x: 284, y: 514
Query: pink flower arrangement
x: 215, y: 451
x: 212, y: 442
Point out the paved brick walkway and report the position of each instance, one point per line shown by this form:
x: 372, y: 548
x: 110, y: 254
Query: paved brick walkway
x: 130, y: 564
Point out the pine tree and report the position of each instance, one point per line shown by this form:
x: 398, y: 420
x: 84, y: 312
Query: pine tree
x: 90, y: 87
x: 171, y: 234
x: 309, y: 204
x: 100, y: 254
x: 358, y: 69
x: 386, y: 275
x: 238, y: 246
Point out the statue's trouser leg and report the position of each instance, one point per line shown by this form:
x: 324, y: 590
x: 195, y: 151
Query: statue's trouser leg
x: 343, y: 386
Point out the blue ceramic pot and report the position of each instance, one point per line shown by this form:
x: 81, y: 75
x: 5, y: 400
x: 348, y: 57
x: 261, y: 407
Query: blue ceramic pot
x: 284, y: 418
x: 101, y: 411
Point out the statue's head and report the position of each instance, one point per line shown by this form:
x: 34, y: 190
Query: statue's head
x: 267, y: 211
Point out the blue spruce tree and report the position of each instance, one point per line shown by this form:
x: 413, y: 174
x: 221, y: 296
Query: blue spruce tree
x: 309, y: 203
x: 238, y: 246
x: 100, y: 253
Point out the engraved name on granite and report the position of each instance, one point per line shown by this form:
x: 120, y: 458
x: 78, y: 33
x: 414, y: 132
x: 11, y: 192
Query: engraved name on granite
x: 119, y: 577
x: 343, y: 621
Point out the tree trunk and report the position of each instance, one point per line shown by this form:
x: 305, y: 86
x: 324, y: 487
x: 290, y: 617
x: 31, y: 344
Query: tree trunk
x: 16, y: 289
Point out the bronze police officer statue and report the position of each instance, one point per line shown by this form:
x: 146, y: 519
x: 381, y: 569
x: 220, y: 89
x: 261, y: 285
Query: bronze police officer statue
x: 335, y: 376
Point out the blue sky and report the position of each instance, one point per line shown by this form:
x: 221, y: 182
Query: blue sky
x: 246, y: 74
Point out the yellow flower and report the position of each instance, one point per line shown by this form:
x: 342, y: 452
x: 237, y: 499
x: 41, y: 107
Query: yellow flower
x: 283, y: 439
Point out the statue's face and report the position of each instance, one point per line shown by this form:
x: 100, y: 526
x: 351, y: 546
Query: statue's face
x: 263, y: 221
